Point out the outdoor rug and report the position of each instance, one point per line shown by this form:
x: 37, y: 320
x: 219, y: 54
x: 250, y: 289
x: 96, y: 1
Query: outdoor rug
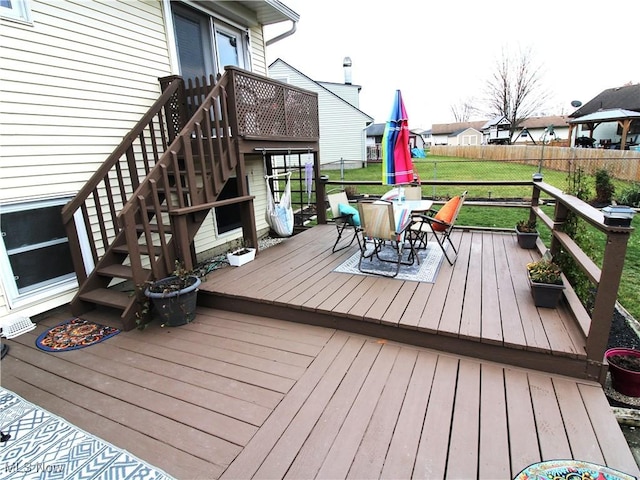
x: 73, y: 334
x: 426, y: 271
x: 43, y: 445
x: 570, y: 470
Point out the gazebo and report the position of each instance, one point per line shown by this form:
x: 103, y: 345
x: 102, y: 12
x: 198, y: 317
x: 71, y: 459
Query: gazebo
x: 592, y: 120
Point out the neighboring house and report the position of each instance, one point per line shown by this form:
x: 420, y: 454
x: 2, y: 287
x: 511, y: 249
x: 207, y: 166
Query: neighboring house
x: 608, y: 117
x: 77, y: 77
x: 375, y: 132
x: 530, y: 130
x: 440, y: 132
x: 466, y: 136
x: 342, y: 123
x: 496, y: 131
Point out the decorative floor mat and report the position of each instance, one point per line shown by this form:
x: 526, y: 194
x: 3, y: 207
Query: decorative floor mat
x: 426, y: 271
x: 570, y: 470
x: 38, y: 444
x: 73, y: 334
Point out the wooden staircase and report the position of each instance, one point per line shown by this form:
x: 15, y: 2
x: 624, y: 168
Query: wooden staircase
x: 145, y: 226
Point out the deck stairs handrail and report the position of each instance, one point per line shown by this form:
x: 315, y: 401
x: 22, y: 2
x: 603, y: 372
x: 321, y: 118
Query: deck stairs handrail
x: 142, y: 234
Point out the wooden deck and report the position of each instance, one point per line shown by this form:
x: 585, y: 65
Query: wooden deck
x: 239, y: 395
x: 480, y: 307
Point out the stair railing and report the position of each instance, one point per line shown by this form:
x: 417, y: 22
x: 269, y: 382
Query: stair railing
x: 184, y: 183
x: 113, y: 184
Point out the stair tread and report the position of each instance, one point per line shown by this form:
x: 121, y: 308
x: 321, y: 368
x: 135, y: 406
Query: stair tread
x: 108, y: 297
x: 144, y: 249
x: 117, y: 271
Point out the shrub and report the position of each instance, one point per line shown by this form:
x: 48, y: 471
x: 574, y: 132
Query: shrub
x: 604, y: 186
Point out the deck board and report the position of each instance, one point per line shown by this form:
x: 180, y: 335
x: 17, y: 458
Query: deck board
x: 434, y: 386
x: 362, y: 407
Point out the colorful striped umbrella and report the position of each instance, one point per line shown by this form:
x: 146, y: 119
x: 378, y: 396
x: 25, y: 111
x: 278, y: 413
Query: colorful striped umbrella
x: 397, y: 166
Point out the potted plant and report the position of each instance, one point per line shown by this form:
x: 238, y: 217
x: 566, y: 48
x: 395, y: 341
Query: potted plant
x: 174, y: 297
x: 624, y: 366
x: 238, y: 255
x: 545, y: 279
x: 527, y: 233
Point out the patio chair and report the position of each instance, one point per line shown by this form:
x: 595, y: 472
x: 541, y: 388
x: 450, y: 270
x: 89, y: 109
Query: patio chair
x: 346, y: 219
x: 440, y: 224
x: 412, y: 192
x: 379, y: 227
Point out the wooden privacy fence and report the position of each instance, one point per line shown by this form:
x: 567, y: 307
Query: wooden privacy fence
x: 621, y: 164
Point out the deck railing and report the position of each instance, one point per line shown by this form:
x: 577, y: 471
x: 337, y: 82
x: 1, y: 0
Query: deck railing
x: 595, y: 324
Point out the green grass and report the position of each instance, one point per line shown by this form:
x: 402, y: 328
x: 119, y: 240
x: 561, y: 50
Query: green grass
x: 453, y: 169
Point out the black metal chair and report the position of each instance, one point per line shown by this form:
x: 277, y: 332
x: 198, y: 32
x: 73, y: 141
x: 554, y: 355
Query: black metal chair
x: 346, y: 223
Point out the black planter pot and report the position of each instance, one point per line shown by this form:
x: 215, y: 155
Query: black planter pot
x: 546, y: 295
x: 177, y: 307
x: 527, y: 239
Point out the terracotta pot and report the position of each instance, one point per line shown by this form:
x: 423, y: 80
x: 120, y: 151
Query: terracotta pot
x: 625, y: 381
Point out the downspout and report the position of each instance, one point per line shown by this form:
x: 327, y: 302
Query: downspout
x: 291, y: 31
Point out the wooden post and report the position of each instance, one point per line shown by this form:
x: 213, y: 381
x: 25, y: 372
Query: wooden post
x: 606, y: 296
x: 321, y: 193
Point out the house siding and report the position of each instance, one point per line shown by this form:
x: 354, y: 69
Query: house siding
x: 74, y: 82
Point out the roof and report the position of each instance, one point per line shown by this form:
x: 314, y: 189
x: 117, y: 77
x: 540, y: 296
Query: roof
x: 606, y: 115
x: 458, y: 132
x: 626, y: 97
x: 447, y: 128
x: 264, y: 12
x: 375, y: 130
x: 542, y: 122
x: 499, y: 120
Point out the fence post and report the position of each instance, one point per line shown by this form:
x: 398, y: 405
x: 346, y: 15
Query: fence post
x: 321, y: 190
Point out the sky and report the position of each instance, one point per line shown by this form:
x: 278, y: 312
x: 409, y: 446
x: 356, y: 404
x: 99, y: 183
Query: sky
x: 439, y: 54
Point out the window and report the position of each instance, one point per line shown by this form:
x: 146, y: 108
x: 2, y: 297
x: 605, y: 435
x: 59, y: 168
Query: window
x: 15, y: 10
x: 205, y: 44
x: 228, y: 217
x: 35, y: 250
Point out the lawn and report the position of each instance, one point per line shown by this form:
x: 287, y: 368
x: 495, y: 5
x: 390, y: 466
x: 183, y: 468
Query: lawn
x: 446, y: 168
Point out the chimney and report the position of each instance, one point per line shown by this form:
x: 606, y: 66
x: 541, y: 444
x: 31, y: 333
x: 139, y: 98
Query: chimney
x: 346, y: 64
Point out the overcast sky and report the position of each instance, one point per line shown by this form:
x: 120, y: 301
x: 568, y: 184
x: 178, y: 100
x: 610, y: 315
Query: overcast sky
x: 440, y: 53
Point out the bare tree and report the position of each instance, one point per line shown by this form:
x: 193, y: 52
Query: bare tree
x: 464, y: 110
x: 515, y: 88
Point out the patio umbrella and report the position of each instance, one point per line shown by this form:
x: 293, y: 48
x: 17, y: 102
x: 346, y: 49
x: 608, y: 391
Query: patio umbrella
x: 397, y: 166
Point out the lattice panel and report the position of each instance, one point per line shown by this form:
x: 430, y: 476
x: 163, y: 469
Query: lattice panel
x: 302, y: 117
x: 266, y: 109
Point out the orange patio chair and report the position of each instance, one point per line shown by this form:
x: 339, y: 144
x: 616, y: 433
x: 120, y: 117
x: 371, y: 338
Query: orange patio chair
x: 440, y: 224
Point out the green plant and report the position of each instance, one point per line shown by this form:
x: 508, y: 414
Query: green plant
x: 526, y: 226
x: 604, y: 186
x: 181, y: 278
x: 545, y: 271
x: 630, y: 196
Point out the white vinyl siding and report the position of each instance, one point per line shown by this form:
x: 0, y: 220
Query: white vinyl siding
x: 72, y: 86
x: 257, y: 51
x: 206, y: 238
x: 73, y: 83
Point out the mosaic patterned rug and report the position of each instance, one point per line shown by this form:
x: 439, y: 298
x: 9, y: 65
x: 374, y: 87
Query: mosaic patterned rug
x: 42, y: 445
x: 73, y: 334
x: 570, y: 470
x: 426, y: 271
